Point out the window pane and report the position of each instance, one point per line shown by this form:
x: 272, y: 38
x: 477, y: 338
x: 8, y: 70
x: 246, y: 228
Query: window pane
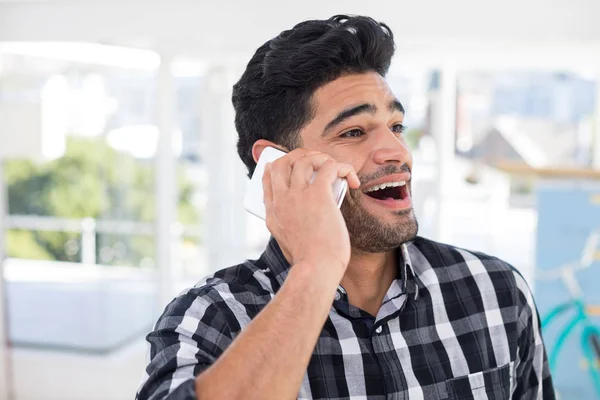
x: 80, y: 231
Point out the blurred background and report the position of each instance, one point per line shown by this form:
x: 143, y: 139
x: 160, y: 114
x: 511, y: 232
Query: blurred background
x: 120, y: 184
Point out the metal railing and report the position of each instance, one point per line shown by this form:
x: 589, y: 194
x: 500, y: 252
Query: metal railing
x: 89, y: 227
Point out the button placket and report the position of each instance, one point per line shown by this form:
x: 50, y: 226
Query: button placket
x: 388, y: 361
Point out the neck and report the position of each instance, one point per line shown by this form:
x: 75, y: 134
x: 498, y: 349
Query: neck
x: 368, y: 278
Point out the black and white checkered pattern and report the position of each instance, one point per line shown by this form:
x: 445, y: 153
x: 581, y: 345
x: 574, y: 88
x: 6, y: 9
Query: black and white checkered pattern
x: 454, y: 325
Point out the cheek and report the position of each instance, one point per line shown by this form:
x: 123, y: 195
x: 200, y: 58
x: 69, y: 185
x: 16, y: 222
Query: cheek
x: 409, y: 156
x: 406, y: 151
x: 356, y: 160
x: 356, y: 155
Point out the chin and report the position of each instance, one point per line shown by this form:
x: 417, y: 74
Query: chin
x: 380, y: 235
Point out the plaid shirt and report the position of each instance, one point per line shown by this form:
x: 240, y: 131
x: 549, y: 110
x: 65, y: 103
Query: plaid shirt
x: 453, y: 325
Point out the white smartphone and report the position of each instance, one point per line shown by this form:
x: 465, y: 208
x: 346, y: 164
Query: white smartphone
x: 254, y: 200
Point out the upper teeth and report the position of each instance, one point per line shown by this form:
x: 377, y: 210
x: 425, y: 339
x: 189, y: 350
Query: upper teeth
x: 385, y: 185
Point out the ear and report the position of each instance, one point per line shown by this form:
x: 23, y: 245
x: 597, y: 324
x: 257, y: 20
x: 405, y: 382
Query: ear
x: 260, y: 145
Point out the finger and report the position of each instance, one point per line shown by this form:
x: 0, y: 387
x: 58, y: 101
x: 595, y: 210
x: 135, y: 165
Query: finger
x: 280, y: 176
x: 304, y: 168
x: 285, y: 164
x: 268, y: 198
x: 298, y: 154
x: 330, y: 171
x: 348, y: 172
x: 293, y: 156
x: 267, y: 188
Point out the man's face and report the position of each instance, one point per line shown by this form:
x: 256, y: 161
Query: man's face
x: 358, y: 121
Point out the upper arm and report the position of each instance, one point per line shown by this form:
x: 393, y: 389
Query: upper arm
x: 188, y: 337
x: 533, y: 378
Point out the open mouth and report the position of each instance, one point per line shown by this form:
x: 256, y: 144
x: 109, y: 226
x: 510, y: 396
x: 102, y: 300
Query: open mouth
x: 392, y: 190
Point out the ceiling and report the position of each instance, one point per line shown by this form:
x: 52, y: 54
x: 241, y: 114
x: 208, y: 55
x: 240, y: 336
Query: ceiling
x: 558, y: 31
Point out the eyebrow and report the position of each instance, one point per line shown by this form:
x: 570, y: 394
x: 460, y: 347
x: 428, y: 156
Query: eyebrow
x: 394, y: 105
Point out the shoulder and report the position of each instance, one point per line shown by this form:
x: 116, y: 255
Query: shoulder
x: 453, y: 264
x: 233, y: 295
x: 443, y: 255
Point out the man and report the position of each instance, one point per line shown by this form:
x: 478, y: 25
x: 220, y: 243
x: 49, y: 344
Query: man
x: 346, y: 304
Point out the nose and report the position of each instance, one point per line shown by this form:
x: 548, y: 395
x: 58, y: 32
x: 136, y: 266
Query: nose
x: 389, y: 148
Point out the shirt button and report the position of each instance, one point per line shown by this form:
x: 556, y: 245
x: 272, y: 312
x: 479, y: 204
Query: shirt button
x: 378, y: 329
x: 340, y: 292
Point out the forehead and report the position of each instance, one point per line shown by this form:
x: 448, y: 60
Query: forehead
x: 351, y: 90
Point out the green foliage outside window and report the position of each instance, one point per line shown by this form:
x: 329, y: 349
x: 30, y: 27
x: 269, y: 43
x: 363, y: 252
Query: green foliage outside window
x: 91, y: 180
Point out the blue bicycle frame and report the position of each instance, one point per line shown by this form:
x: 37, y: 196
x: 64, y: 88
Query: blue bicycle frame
x: 589, y: 330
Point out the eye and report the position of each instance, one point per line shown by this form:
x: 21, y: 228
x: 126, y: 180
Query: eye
x: 352, y: 134
x: 398, y: 128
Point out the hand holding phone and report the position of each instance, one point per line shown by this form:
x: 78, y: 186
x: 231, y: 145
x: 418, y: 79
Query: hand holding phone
x: 301, y: 195
x: 254, y: 200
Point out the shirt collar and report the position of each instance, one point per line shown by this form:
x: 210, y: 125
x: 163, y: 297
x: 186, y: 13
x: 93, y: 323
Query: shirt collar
x: 274, y: 259
x: 411, y: 281
x: 276, y: 262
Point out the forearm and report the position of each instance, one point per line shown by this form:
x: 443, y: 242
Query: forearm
x: 269, y: 358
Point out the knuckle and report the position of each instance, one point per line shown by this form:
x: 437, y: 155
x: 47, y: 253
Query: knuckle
x: 330, y: 163
x: 301, y: 161
x: 297, y: 153
x: 323, y: 157
x: 277, y: 163
x: 308, y: 152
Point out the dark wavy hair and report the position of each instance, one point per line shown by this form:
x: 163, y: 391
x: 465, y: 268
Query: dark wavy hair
x: 272, y: 99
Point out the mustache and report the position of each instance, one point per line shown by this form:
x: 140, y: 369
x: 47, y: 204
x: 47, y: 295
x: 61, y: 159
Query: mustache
x: 384, y: 171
